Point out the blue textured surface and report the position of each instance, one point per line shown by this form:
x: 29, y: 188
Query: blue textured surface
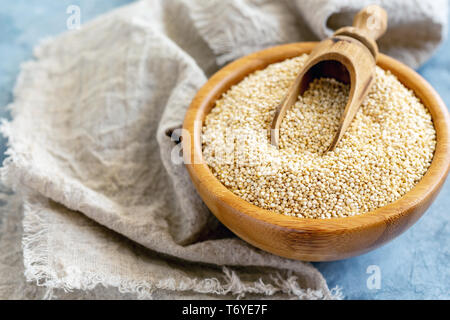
x: 415, y: 265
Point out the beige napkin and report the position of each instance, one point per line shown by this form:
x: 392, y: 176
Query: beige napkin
x: 104, y: 206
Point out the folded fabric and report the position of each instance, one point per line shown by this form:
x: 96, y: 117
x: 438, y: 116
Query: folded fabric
x: 90, y: 153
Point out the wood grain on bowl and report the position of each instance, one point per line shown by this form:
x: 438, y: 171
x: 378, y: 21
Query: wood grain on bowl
x: 303, y: 238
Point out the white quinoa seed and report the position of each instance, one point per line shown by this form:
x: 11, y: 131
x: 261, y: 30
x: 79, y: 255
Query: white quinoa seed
x: 386, y: 151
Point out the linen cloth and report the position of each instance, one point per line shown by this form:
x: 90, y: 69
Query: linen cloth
x: 104, y: 205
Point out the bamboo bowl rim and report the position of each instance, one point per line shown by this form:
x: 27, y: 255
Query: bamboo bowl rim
x: 234, y: 72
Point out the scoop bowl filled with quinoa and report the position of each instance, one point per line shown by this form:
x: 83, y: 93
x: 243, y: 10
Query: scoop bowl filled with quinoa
x: 297, y: 199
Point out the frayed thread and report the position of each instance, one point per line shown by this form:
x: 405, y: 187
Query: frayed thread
x: 38, y: 268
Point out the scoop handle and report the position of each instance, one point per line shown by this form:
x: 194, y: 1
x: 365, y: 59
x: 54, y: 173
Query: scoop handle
x: 372, y: 21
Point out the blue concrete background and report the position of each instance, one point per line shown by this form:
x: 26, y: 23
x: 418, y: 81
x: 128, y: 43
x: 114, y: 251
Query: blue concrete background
x: 415, y: 265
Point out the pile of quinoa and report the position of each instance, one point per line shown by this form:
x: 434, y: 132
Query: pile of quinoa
x: 385, y: 152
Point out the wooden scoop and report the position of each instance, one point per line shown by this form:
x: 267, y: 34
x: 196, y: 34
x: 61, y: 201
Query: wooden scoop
x: 348, y: 56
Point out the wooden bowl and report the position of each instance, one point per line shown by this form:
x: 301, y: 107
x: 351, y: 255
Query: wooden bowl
x: 303, y: 238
